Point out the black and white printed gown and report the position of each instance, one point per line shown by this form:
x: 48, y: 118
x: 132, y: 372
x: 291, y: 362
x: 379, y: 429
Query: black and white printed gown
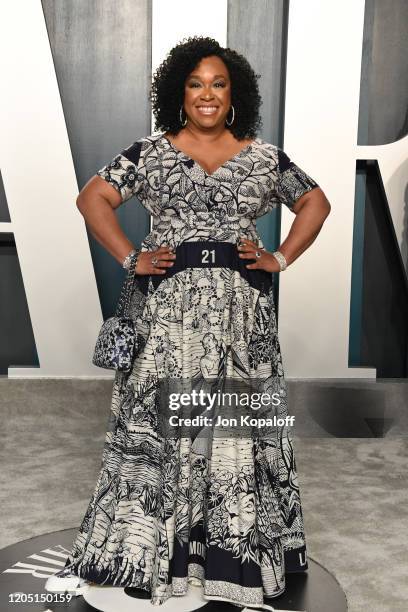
x: 226, y: 515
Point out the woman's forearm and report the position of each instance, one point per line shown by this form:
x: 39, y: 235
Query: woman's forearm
x: 305, y: 227
x: 103, y: 224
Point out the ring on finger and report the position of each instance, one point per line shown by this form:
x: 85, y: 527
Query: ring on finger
x: 154, y: 261
x: 257, y: 254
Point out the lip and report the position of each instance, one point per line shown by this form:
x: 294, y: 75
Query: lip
x: 202, y: 109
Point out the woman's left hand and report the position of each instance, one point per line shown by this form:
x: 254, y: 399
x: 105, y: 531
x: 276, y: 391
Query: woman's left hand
x: 266, y: 261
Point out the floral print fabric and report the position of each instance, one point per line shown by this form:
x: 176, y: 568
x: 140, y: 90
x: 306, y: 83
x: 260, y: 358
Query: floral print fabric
x: 224, y: 512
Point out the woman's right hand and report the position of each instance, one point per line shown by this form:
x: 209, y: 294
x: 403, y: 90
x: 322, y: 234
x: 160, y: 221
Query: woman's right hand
x: 165, y: 259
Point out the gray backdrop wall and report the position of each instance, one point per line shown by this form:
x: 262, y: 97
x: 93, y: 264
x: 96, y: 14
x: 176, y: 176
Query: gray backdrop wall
x: 102, y: 58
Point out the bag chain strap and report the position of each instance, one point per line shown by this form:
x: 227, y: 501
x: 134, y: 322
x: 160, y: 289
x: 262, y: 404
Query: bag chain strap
x: 122, y: 308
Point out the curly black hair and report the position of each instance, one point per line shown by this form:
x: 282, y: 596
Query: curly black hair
x: 167, y: 91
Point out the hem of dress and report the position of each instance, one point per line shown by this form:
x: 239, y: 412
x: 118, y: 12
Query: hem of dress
x: 158, y: 600
x: 242, y: 604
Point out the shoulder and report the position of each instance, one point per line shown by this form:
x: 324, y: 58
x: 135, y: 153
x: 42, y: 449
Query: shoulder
x: 276, y: 154
x: 142, y: 148
x: 264, y: 148
x: 151, y: 141
x: 265, y: 152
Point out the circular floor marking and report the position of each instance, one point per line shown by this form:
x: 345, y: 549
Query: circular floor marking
x: 25, y: 567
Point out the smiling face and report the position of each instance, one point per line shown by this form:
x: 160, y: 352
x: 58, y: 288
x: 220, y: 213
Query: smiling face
x: 207, y: 93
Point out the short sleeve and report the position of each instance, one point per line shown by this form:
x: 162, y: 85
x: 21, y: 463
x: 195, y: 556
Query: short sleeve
x: 125, y: 172
x: 293, y: 182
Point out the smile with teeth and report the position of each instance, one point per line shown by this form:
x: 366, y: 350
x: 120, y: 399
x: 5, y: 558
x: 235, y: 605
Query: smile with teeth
x: 207, y: 110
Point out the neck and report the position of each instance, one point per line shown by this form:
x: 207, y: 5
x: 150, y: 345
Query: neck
x: 208, y: 135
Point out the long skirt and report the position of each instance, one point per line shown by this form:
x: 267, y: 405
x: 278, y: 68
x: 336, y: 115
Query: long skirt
x: 215, y: 506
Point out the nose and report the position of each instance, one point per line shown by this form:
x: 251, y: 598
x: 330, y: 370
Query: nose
x: 206, y: 95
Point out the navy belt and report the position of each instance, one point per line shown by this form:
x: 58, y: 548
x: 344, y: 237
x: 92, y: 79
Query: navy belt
x: 209, y: 254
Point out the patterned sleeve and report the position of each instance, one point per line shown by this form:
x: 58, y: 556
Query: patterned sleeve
x: 125, y: 172
x: 293, y: 182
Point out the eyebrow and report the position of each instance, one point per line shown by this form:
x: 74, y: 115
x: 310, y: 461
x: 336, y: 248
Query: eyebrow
x: 215, y: 77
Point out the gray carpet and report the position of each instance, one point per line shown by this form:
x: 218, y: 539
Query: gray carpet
x: 354, y: 489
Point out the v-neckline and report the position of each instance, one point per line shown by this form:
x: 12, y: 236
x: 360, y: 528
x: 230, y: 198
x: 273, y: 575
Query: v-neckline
x: 222, y: 166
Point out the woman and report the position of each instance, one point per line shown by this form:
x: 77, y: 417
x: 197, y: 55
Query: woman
x: 221, y: 512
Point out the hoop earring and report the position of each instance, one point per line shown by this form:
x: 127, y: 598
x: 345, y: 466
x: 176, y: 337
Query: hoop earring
x: 181, y: 116
x: 233, y: 116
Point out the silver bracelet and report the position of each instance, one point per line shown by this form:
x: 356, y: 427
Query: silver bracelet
x: 127, y: 262
x: 283, y: 264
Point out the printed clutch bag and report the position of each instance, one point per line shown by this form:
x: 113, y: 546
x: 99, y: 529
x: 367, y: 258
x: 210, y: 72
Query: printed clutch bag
x: 117, y: 344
